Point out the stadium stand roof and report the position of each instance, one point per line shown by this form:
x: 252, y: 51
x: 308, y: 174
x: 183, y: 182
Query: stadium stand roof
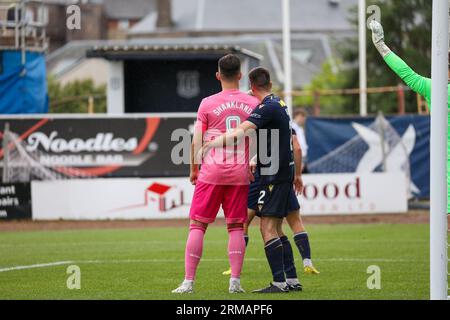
x: 309, y: 51
x: 130, y: 51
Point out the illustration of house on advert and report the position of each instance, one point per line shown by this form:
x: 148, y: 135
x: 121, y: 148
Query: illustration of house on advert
x: 163, y: 197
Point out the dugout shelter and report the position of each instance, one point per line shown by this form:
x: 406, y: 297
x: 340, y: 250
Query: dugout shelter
x: 165, y: 77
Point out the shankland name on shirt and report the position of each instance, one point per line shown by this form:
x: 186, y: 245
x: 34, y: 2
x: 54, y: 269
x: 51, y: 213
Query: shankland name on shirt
x: 232, y: 105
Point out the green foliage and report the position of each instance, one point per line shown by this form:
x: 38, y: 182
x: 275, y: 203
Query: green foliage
x: 73, y: 97
x: 326, y: 79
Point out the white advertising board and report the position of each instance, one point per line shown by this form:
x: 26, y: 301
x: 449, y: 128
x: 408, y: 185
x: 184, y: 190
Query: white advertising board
x: 169, y: 198
x: 100, y: 199
x: 371, y: 193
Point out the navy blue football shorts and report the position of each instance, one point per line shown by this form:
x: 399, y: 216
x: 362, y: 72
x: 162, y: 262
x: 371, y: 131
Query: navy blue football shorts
x: 275, y: 200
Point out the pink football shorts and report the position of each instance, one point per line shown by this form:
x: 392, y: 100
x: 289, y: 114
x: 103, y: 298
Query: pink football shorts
x: 208, y: 198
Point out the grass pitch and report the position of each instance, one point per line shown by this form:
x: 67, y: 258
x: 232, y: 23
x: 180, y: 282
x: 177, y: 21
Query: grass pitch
x: 148, y: 263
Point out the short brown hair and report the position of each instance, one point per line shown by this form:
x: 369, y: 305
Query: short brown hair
x: 260, y: 78
x: 300, y: 112
x: 229, y: 66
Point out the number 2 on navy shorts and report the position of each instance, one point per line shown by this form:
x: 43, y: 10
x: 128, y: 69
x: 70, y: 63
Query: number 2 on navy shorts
x: 273, y: 200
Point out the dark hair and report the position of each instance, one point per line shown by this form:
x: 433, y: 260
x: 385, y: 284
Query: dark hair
x: 260, y: 78
x: 229, y: 66
x: 300, y: 112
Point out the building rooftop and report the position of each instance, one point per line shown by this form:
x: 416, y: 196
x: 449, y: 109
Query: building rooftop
x: 254, y: 16
x: 129, y: 9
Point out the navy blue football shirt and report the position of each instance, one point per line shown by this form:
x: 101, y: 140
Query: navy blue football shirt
x: 272, y: 114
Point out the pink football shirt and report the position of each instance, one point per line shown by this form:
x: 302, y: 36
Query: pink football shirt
x: 218, y: 114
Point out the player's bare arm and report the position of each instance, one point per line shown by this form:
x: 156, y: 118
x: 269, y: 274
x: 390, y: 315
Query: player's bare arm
x: 254, y: 163
x: 230, y: 138
x: 196, y: 145
x: 298, y: 181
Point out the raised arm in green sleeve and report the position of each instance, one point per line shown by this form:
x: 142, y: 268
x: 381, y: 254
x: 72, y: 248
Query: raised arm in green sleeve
x: 416, y: 82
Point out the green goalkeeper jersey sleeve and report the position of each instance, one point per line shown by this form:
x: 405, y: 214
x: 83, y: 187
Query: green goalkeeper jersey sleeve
x: 416, y: 82
x: 422, y: 86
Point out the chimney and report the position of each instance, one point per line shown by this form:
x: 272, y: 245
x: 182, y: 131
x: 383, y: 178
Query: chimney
x: 164, y: 14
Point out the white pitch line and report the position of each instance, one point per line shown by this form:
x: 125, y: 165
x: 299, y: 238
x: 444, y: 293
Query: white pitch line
x: 246, y: 259
x: 108, y: 243
x: 39, y: 265
x: 59, y: 263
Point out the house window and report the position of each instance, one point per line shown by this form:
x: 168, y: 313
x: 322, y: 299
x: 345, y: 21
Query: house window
x: 124, y: 24
x: 42, y: 15
x: 303, y: 56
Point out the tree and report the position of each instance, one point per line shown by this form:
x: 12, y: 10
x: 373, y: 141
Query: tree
x: 73, y: 97
x: 326, y: 79
x: 407, y: 26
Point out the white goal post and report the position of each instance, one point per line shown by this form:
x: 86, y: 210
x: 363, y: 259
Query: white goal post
x: 438, y: 148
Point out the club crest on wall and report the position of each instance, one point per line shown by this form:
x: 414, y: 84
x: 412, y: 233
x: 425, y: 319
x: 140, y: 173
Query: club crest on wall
x: 188, y: 84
